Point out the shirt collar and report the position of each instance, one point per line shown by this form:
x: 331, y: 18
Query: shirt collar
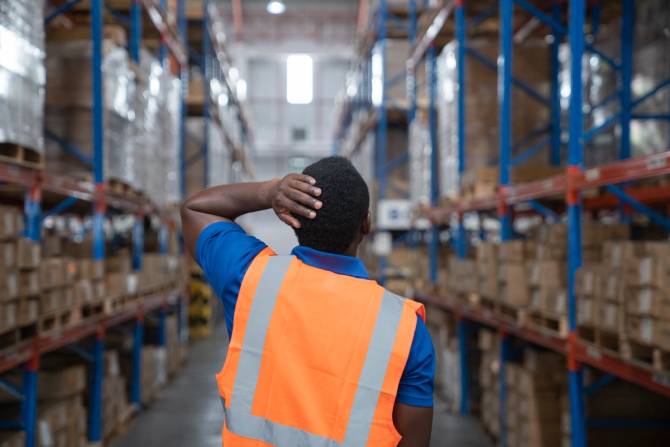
x: 336, y: 263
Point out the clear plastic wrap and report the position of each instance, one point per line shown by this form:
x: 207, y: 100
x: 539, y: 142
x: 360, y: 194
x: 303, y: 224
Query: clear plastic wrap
x: 156, y: 132
x: 650, y: 68
x: 69, y: 110
x: 22, y: 73
x: 447, y: 124
x: 420, y: 152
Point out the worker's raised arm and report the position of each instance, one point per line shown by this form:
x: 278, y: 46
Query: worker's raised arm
x: 414, y: 425
x: 294, y: 194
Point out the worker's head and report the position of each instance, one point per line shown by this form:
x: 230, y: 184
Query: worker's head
x: 344, y: 219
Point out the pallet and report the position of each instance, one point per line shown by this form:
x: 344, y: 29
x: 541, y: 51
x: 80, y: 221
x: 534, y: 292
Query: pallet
x: 514, y: 315
x: 21, y: 156
x: 650, y: 356
x: 92, y: 309
x: 17, y: 335
x: 602, y: 339
x: 121, y: 188
x: 555, y: 325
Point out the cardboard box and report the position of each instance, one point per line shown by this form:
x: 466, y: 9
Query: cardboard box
x: 27, y: 311
x: 83, y: 292
x: 12, y: 439
x: 595, y: 234
x: 587, y: 312
x: 62, y: 383
x: 613, y: 285
x: 648, y: 271
x: 29, y: 283
x: 616, y: 252
x: 555, y: 302
x: 52, y: 273
x: 28, y: 254
x: 51, y: 301
x: 589, y: 280
x: 648, y: 301
x: 8, y: 255
x: 9, y: 286
x: 8, y: 315
x: 610, y: 317
x: 516, y: 251
x: 549, y: 274
x: 649, y: 331
x: 11, y: 222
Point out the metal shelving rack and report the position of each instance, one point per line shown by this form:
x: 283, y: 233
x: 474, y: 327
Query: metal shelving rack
x: 64, y: 192
x: 567, y: 186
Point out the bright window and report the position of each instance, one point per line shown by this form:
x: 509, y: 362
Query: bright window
x: 299, y: 79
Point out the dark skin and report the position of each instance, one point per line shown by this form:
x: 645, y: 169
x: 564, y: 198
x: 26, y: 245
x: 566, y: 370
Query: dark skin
x: 292, y: 195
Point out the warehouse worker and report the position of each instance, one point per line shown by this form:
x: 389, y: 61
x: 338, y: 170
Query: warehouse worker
x: 319, y: 356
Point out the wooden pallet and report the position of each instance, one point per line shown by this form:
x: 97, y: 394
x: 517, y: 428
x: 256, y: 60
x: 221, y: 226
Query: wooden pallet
x: 556, y: 325
x: 89, y: 310
x: 514, y: 315
x: 18, y: 334
x: 602, y: 339
x: 651, y: 356
x: 20, y: 155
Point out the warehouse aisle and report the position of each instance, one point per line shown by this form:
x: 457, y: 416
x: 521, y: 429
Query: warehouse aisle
x: 188, y: 412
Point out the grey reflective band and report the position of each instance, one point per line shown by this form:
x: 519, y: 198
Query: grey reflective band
x: 238, y: 417
x: 374, y: 370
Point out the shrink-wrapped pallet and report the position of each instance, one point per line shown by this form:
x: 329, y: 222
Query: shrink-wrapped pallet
x: 420, y: 154
x: 69, y: 116
x: 22, y: 73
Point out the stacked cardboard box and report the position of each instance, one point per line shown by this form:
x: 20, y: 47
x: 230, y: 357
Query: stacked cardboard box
x: 154, y: 372
x: 487, y: 270
x: 646, y: 293
x: 514, y: 258
x: 57, y: 301
x: 61, y: 414
x: 12, y: 439
x: 176, y: 350
x: 548, y: 275
x: 462, y: 277
x: 115, y: 410
x: 533, y: 388
x: 489, y: 370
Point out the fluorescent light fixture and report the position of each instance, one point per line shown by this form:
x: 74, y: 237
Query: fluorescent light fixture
x: 276, y: 7
x: 299, y: 79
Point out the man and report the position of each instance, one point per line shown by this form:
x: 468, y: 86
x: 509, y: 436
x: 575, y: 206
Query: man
x: 319, y: 354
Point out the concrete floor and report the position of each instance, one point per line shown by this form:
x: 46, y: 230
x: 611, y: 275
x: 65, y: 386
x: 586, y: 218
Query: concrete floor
x: 188, y: 411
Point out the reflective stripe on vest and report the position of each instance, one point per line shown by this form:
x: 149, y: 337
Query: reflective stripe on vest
x: 238, y: 417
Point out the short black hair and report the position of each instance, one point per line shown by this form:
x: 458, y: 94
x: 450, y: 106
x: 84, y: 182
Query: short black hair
x: 346, y: 202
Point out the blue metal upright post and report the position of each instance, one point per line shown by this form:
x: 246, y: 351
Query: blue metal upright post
x: 431, y: 65
x: 461, y: 241
x: 138, y: 242
x: 33, y: 211
x: 577, y: 12
x: 627, y: 38
x: 97, y: 372
x: 162, y: 329
x: 136, y: 379
x: 98, y: 131
x: 460, y: 98
x: 463, y: 335
x: 29, y: 402
x: 206, y: 56
x: 162, y: 50
x: 505, y: 100
x: 135, y: 30
x: 555, y: 97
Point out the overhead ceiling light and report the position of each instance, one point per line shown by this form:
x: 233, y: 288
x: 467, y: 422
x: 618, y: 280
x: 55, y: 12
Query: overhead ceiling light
x: 276, y: 7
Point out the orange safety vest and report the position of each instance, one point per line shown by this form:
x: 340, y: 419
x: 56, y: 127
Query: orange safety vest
x: 315, y: 358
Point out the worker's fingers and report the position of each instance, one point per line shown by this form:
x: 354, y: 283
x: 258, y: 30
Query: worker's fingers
x: 305, y: 187
x: 296, y: 208
x: 304, y: 178
x: 304, y: 199
x: 289, y: 220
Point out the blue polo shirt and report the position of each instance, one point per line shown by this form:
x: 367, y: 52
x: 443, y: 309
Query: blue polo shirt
x: 225, y: 252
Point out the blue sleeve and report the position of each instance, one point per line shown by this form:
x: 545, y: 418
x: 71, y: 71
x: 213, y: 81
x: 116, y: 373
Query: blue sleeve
x: 416, y: 383
x: 225, y: 252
